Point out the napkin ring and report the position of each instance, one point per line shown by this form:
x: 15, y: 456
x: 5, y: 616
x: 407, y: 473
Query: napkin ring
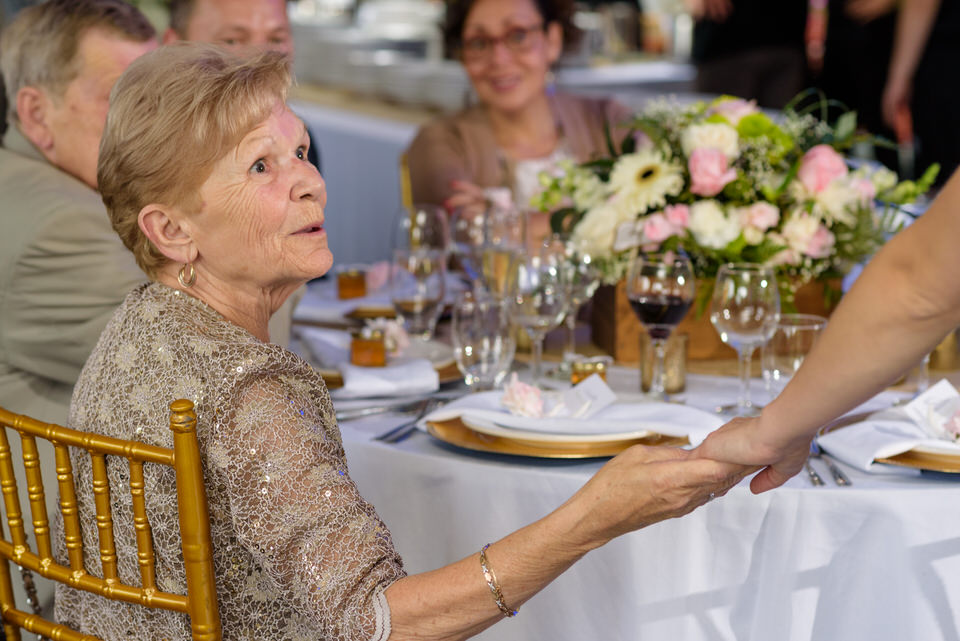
x: 494, y: 585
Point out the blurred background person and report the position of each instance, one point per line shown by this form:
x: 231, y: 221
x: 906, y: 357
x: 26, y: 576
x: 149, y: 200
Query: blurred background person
x: 64, y: 271
x: 754, y: 49
x: 521, y: 125
x: 238, y: 25
x: 920, y: 98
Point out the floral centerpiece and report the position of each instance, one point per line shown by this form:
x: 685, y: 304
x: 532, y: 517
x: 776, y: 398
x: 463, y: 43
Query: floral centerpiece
x: 725, y: 182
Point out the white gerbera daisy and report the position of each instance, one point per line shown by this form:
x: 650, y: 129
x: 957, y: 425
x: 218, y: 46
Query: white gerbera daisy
x: 642, y: 181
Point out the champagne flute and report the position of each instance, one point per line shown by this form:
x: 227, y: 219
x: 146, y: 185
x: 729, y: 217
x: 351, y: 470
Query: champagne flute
x: 660, y: 288
x: 745, y: 311
x: 538, y: 295
x: 466, y: 242
x: 504, y: 243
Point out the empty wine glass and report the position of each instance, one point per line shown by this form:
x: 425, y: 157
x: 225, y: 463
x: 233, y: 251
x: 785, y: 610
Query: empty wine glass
x: 483, y: 342
x: 417, y: 288
x: 466, y: 242
x: 538, y: 296
x: 745, y: 310
x: 421, y: 226
x: 660, y: 288
x: 583, y: 278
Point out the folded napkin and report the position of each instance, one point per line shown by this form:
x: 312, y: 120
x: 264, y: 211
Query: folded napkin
x: 415, y: 376
x: 668, y: 419
x: 330, y: 349
x: 896, y: 430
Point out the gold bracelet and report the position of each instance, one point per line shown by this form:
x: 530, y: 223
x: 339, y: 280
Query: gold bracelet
x: 494, y: 585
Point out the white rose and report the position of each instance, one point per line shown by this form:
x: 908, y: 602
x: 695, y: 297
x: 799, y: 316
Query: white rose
x: 798, y: 231
x: 883, y: 179
x: 837, y: 200
x: 595, y: 232
x: 711, y: 227
x: 753, y: 235
x: 713, y: 135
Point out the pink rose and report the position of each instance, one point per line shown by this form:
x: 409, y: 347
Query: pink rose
x: 677, y: 215
x: 522, y: 399
x: 709, y: 172
x: 820, y: 166
x: 821, y: 243
x: 761, y: 215
x: 656, y: 228
x: 785, y: 257
x: 733, y: 110
x: 866, y: 190
x: 377, y: 275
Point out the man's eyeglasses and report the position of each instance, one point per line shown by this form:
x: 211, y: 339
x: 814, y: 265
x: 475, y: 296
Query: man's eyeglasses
x: 517, y: 40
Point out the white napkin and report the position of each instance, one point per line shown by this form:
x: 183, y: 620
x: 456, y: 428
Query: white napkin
x: 320, y: 303
x: 415, y: 376
x: 328, y: 348
x: 669, y: 419
x: 894, y: 431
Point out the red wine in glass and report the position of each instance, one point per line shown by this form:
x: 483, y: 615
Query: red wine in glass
x: 660, y: 288
x: 660, y: 313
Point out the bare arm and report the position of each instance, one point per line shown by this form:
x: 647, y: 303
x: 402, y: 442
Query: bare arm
x: 905, y: 301
x: 914, y: 22
x: 637, y: 488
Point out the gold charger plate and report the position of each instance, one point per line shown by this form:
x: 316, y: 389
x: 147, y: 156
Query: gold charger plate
x: 456, y: 433
x: 367, y: 313
x: 447, y: 373
x: 916, y: 458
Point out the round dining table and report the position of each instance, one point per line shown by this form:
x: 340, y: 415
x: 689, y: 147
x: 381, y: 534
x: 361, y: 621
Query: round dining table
x: 877, y: 560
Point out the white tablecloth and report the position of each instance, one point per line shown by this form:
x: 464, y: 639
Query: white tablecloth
x: 876, y: 561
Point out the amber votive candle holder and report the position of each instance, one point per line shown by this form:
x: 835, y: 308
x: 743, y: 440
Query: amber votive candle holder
x: 351, y: 283
x: 368, y: 349
x: 583, y: 368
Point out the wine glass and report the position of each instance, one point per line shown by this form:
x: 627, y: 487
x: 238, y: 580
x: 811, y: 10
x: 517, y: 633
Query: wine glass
x: 745, y: 311
x: 483, y: 342
x: 504, y: 243
x: 660, y: 288
x: 466, y: 242
x: 421, y: 226
x: 538, y: 296
x: 417, y: 288
x: 583, y: 278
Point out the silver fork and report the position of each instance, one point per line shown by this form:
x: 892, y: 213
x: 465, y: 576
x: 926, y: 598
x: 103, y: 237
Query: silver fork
x: 402, y: 431
x: 839, y: 477
x: 815, y: 479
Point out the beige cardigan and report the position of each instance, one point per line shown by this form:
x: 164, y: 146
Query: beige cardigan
x: 463, y: 147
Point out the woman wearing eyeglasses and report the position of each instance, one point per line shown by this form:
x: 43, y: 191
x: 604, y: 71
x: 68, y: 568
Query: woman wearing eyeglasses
x: 520, y: 126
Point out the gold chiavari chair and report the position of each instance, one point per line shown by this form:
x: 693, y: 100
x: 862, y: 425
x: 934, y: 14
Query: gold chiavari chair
x: 200, y: 602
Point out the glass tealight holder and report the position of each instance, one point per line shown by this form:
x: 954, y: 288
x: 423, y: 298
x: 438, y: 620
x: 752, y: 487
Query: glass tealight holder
x: 368, y: 348
x: 674, y: 365
x: 351, y: 282
x: 582, y: 368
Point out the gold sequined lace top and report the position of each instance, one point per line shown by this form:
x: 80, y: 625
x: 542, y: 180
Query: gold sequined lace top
x: 298, y: 554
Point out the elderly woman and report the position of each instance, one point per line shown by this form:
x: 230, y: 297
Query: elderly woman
x: 521, y: 126
x: 203, y: 171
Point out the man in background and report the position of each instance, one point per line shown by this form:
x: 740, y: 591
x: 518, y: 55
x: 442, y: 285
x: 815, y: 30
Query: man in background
x: 63, y: 270
x: 239, y: 25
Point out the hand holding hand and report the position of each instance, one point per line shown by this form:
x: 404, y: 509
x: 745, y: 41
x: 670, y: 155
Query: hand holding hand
x: 744, y: 441
x: 644, y: 485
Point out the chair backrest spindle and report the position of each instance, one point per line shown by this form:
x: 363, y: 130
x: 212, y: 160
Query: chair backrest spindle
x: 201, y: 600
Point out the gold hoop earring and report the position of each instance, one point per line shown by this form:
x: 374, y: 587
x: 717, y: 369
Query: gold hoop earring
x: 187, y: 275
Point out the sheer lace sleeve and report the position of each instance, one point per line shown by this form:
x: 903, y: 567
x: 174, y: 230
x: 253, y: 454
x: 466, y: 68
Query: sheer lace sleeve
x: 295, y: 509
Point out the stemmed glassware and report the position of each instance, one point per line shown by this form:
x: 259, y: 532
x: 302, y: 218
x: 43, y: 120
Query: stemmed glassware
x: 660, y: 288
x: 466, y: 242
x: 418, y: 272
x: 504, y: 244
x: 483, y: 339
x: 745, y: 310
x: 583, y: 278
x: 538, y: 296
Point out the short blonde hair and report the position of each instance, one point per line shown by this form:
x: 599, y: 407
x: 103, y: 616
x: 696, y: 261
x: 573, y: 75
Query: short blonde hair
x: 39, y: 47
x: 173, y: 114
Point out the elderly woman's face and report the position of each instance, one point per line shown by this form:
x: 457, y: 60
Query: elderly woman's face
x: 261, y: 217
x: 507, y: 51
